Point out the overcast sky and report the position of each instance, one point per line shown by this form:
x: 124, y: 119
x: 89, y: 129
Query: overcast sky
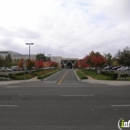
x: 67, y: 28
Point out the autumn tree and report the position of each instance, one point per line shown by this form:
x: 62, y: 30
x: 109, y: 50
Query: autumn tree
x: 20, y: 63
x: 39, y: 64
x: 95, y: 59
x: 30, y: 63
x: 54, y: 64
x: 82, y: 63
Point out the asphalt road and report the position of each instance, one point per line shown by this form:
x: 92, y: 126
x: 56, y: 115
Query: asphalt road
x: 61, y: 102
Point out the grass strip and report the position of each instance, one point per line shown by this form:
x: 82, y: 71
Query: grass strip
x: 29, y: 75
x: 81, y: 75
x: 47, y: 74
x: 95, y: 75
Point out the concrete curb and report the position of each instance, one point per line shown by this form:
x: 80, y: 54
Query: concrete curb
x: 77, y: 75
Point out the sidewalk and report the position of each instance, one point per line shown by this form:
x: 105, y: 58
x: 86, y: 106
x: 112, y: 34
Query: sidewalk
x: 89, y: 80
x: 107, y: 82
x: 18, y: 81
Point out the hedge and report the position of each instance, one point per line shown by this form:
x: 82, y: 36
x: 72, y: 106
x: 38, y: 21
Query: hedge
x: 113, y: 75
x: 124, y: 75
x: 5, y: 76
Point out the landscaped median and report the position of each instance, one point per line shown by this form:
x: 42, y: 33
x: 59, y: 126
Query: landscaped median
x: 81, y: 75
x: 40, y: 74
x: 99, y: 76
x: 45, y: 75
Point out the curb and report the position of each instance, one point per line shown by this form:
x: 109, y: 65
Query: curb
x: 77, y: 75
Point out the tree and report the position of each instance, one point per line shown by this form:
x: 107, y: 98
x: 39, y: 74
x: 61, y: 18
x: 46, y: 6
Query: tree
x: 108, y: 58
x: 1, y: 61
x: 95, y: 59
x: 41, y: 56
x: 47, y: 64
x: 15, y: 62
x: 8, y: 61
x: 30, y: 63
x: 20, y: 63
x: 39, y: 64
x: 54, y: 64
x: 115, y: 63
x: 123, y: 57
x: 82, y: 63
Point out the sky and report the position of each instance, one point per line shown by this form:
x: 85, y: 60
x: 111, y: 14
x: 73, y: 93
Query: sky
x: 67, y: 28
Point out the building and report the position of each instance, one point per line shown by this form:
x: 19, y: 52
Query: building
x: 63, y: 62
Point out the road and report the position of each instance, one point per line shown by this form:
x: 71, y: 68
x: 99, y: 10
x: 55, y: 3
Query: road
x: 61, y: 102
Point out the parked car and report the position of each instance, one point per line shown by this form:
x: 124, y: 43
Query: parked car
x: 115, y: 68
x: 9, y: 69
x: 122, y: 68
x: 0, y: 68
x: 108, y: 67
x: 16, y: 68
x: 4, y: 69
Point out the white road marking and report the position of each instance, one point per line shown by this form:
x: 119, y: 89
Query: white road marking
x: 120, y: 105
x: 77, y: 95
x: 8, y: 105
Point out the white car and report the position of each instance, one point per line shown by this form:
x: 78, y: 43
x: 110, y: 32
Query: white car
x: 9, y: 69
x: 123, y: 68
x: 16, y: 68
x: 4, y: 69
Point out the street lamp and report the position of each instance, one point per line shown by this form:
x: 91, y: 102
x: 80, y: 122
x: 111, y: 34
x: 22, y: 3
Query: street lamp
x: 29, y: 48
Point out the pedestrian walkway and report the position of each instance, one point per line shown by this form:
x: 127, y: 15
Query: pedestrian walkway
x: 107, y: 82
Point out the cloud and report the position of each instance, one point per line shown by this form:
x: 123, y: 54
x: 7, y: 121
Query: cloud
x: 68, y: 28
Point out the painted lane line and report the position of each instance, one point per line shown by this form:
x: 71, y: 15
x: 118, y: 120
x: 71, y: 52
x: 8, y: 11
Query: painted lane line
x: 120, y: 105
x: 8, y: 105
x: 63, y: 77
x: 77, y: 95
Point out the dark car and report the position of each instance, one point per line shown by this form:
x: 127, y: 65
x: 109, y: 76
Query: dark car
x: 108, y: 68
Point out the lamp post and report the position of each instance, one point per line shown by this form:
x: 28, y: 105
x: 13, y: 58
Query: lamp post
x: 29, y: 48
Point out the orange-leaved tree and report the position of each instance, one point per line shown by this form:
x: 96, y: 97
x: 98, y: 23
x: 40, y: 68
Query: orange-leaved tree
x: 39, y: 64
x: 30, y: 63
x: 20, y: 63
x: 95, y: 59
